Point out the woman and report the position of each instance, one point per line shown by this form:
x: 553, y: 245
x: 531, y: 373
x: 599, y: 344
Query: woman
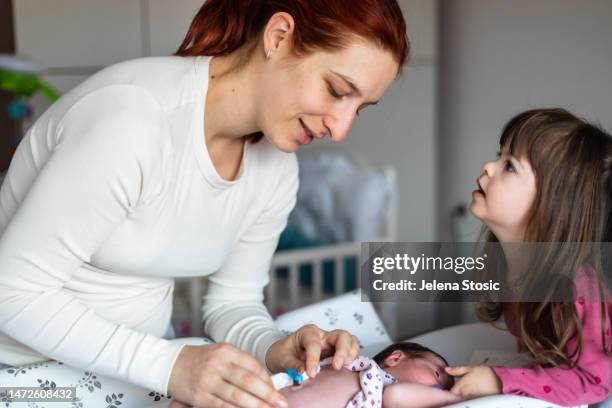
x: 184, y: 166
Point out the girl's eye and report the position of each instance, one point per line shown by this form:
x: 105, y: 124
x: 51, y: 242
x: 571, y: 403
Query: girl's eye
x: 508, y: 166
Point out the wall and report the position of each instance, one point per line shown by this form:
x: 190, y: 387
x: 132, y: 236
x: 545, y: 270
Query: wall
x: 503, y: 57
x: 499, y: 58
x: 75, y: 38
x: 401, y: 130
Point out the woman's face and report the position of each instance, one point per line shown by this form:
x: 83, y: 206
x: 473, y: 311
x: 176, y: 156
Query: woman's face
x: 302, y: 99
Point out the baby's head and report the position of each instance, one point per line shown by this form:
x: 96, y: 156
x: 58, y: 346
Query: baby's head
x: 550, y: 183
x: 411, y: 362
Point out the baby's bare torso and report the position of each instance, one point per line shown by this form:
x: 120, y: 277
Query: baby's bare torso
x: 329, y: 389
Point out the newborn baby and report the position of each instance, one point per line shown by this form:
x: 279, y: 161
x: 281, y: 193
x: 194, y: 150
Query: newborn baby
x: 404, y: 375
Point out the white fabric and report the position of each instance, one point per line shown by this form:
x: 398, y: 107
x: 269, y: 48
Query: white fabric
x: 347, y: 312
x: 91, y: 389
x: 110, y: 195
x: 504, y: 401
x: 372, y: 380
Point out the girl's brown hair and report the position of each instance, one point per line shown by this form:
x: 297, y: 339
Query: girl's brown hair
x: 221, y: 27
x: 571, y: 160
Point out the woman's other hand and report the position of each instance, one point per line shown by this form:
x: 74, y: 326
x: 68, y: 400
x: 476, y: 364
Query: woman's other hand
x: 218, y: 375
x: 305, y: 348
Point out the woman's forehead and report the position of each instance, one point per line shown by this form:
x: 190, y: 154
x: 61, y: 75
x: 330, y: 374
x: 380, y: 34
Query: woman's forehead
x: 369, y: 67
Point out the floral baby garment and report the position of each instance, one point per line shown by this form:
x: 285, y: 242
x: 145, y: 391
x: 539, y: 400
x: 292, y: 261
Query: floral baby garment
x: 372, y: 379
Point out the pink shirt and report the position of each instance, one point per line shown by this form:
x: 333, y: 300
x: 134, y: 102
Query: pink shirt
x: 590, y: 381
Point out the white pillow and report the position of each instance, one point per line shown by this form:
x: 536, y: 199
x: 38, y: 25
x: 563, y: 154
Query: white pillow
x: 345, y: 312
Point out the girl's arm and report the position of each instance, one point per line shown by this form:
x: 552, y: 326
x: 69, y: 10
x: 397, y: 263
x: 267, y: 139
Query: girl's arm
x: 413, y: 395
x: 590, y: 381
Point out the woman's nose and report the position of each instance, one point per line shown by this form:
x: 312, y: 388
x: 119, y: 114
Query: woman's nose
x: 339, y: 125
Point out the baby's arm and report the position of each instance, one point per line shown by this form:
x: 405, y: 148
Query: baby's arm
x: 414, y: 395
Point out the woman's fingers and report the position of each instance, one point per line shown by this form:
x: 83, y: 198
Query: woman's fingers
x: 246, y: 389
x: 309, y: 338
x: 215, y: 402
x: 356, y: 348
x: 342, y: 343
x: 246, y: 361
x: 313, y: 356
x: 221, y: 375
x: 314, y: 341
x: 177, y: 404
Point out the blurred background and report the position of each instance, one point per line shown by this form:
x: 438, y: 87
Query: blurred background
x: 474, y: 64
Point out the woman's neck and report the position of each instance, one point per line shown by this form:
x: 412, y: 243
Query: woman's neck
x: 230, y: 101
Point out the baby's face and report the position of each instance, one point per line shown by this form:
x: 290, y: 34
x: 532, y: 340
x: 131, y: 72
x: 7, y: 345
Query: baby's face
x: 427, y: 369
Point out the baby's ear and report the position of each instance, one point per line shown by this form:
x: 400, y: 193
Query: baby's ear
x: 395, y: 358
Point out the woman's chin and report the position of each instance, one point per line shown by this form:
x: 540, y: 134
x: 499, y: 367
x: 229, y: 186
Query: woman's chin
x: 285, y: 144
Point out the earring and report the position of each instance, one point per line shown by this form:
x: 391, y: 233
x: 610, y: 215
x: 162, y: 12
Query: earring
x: 268, y: 54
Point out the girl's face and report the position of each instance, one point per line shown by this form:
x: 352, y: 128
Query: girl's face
x: 321, y: 94
x: 506, y: 191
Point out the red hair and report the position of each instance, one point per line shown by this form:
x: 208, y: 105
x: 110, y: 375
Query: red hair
x: 223, y: 26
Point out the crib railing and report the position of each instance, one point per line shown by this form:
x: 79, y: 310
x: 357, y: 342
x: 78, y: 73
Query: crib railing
x: 284, y: 291
x: 294, y: 295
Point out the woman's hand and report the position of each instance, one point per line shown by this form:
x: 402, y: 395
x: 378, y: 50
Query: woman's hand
x: 305, y: 348
x: 221, y: 375
x: 475, y: 381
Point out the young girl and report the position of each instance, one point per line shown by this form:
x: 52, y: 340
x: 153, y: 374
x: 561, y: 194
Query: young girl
x: 551, y: 183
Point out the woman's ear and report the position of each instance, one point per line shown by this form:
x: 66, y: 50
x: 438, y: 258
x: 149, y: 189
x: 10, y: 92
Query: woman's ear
x: 278, y: 33
x: 395, y: 358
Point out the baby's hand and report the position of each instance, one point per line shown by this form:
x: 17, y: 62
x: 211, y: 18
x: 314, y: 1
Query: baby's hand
x: 475, y: 381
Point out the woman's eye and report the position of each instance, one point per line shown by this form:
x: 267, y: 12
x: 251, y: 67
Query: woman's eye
x: 508, y: 166
x: 333, y: 92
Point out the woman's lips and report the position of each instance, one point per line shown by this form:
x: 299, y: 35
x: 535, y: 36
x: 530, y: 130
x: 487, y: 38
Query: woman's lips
x: 304, y: 135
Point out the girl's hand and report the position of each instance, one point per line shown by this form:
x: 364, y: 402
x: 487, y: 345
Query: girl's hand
x: 216, y: 375
x: 305, y: 348
x: 475, y: 381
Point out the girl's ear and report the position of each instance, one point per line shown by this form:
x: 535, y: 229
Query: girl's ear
x: 395, y: 358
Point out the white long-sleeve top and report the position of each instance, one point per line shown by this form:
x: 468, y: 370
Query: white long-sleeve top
x: 110, y: 195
